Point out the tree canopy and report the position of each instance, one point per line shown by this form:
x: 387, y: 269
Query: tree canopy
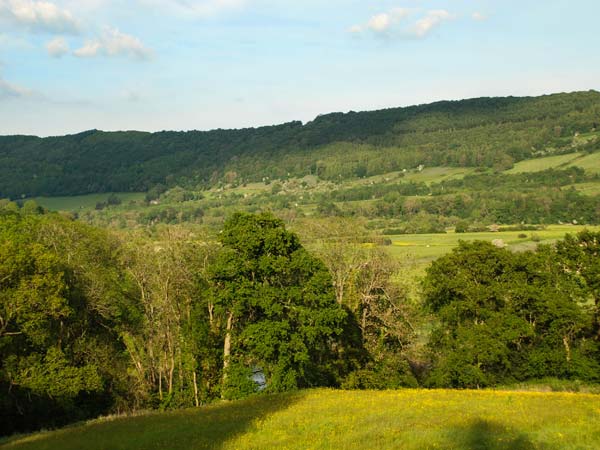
x: 483, y: 132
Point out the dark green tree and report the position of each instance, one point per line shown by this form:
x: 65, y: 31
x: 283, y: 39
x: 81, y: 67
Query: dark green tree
x: 277, y: 308
x: 505, y: 317
x: 62, y: 306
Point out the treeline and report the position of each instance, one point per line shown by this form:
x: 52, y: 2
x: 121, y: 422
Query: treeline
x: 92, y: 322
x: 538, y: 198
x: 486, y: 132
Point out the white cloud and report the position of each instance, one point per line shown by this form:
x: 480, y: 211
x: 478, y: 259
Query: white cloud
x: 112, y: 42
x: 38, y: 16
x: 479, y: 17
x: 394, y: 23
x: 431, y: 20
x: 382, y: 23
x: 57, y: 47
x: 9, y: 90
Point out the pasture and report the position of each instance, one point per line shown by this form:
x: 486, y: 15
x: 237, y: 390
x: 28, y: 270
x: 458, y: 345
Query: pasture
x: 548, y: 162
x: 417, y: 251
x: 591, y: 162
x: 329, y: 419
x: 85, y: 202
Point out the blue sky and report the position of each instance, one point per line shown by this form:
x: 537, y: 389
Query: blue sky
x: 72, y: 65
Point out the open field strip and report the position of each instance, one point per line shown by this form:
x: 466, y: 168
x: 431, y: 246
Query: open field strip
x: 548, y: 162
x: 329, y: 419
x: 82, y: 202
x: 417, y: 251
x: 591, y: 162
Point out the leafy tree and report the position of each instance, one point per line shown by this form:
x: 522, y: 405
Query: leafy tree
x: 62, y: 306
x: 276, y: 306
x: 505, y: 317
x: 580, y: 255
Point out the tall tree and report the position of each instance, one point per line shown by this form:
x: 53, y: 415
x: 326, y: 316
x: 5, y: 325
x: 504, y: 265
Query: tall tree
x: 276, y: 306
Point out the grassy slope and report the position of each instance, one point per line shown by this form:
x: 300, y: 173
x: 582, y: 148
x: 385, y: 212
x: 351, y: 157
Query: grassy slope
x: 82, y: 202
x: 327, y: 419
x: 539, y: 164
x: 591, y: 163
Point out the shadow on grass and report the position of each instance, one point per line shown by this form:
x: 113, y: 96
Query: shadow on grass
x: 487, y: 435
x: 208, y: 427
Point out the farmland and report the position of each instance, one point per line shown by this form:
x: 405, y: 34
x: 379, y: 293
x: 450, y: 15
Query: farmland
x: 84, y: 202
x: 418, y: 250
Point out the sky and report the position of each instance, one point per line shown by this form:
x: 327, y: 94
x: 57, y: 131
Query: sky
x: 72, y: 65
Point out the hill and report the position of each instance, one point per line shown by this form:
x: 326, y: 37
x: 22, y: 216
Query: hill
x: 484, y: 132
x: 326, y: 419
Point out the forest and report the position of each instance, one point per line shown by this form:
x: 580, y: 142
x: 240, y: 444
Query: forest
x: 94, y: 321
x: 485, y: 132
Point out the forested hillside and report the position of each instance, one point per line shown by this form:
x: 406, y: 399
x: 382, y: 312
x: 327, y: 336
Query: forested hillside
x: 485, y: 132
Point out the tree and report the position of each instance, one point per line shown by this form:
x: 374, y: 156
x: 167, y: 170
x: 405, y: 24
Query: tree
x: 580, y: 256
x: 62, y: 305
x: 170, y: 348
x: 276, y: 307
x: 365, y: 282
x: 505, y: 317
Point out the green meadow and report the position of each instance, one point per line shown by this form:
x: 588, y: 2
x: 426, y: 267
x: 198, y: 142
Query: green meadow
x: 591, y: 163
x: 85, y: 202
x: 417, y: 251
x: 549, y: 162
x: 329, y: 419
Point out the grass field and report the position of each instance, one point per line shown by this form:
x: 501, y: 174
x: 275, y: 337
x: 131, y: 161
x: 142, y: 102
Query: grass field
x: 438, y: 174
x: 328, y: 419
x: 591, y: 162
x: 417, y: 251
x: 587, y: 188
x: 539, y: 164
x: 83, y: 202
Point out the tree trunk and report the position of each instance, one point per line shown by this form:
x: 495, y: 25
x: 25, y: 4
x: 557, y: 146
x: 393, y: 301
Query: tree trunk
x: 227, y: 346
x: 171, y: 371
x: 195, y: 379
x: 160, y: 393
x: 567, y: 348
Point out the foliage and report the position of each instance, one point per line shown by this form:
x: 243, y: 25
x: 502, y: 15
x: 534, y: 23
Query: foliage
x: 484, y: 132
x: 506, y: 317
x: 277, y: 305
x: 63, y: 304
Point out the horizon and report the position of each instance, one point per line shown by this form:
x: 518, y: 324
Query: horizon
x: 151, y: 65
x: 303, y: 123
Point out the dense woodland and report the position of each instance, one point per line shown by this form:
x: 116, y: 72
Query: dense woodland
x: 485, y: 132
x: 93, y: 322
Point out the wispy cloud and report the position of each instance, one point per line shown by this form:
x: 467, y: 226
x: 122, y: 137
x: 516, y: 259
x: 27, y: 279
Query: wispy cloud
x: 431, y: 20
x: 195, y: 8
x: 403, y: 23
x: 57, y: 47
x: 113, y: 42
x: 479, y: 16
x: 38, y: 16
x: 13, y: 91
